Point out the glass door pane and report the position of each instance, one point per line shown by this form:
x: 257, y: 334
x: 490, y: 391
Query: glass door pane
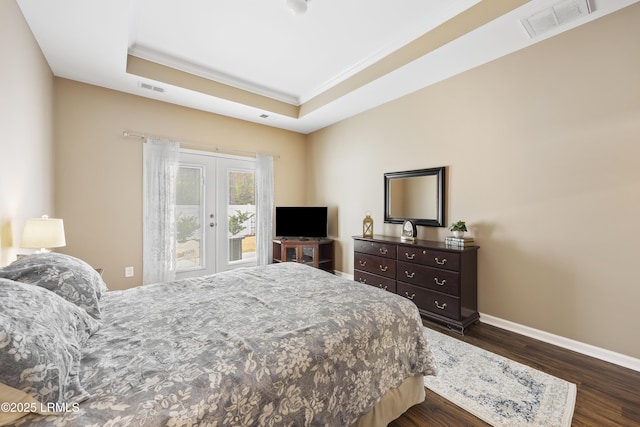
x: 307, y: 255
x: 241, y: 205
x: 291, y: 254
x: 189, y: 218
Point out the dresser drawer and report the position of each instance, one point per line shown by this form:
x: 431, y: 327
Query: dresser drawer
x: 434, y: 302
x: 374, y: 264
x: 436, y: 279
x: 374, y: 280
x: 430, y: 257
x: 375, y: 248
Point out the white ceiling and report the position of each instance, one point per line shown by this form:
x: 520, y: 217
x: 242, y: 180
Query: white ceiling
x: 258, y: 46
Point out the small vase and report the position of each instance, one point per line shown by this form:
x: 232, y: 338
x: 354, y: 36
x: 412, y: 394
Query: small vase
x: 458, y: 234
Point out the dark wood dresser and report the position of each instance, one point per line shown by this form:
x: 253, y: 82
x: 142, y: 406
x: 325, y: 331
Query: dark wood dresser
x: 440, y: 280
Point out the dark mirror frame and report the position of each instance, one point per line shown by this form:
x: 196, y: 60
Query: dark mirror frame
x: 439, y: 172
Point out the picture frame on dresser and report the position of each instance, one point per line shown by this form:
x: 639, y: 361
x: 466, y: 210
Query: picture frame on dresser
x: 440, y: 280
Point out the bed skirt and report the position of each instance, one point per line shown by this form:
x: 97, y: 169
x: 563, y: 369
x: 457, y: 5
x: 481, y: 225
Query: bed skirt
x: 394, y: 403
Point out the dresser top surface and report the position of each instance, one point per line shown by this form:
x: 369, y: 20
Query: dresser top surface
x: 432, y: 244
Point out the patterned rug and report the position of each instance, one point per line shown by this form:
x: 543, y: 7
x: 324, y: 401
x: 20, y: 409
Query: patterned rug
x: 497, y: 390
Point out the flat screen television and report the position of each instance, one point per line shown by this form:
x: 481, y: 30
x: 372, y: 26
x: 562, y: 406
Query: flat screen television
x: 301, y: 221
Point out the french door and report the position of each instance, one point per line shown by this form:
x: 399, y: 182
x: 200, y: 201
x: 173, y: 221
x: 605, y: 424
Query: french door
x: 215, y: 213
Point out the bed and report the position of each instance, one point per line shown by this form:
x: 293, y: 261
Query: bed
x: 283, y: 344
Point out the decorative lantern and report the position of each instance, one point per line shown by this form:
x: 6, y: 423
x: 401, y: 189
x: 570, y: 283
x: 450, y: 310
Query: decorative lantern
x: 367, y: 226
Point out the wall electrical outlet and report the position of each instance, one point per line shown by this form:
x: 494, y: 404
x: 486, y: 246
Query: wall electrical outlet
x: 128, y: 272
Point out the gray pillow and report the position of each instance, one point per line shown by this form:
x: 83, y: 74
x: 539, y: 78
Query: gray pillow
x: 71, y: 278
x: 41, y: 339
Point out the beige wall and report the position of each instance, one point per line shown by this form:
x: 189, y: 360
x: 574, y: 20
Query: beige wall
x: 542, y: 150
x: 26, y: 124
x: 99, y: 172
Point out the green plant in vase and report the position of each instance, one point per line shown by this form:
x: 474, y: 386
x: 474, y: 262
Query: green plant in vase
x: 458, y: 228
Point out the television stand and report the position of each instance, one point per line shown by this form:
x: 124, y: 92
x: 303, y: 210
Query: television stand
x: 317, y: 253
x: 301, y: 239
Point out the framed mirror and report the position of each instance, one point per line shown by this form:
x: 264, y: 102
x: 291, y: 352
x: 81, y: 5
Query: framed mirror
x: 417, y: 195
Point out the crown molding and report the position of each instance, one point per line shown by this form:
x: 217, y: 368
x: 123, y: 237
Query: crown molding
x: 153, y: 55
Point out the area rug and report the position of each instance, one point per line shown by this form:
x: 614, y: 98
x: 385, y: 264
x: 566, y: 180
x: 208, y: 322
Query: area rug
x: 497, y: 390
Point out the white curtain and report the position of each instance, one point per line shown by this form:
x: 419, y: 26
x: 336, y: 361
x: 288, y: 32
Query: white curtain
x: 264, y: 208
x: 160, y: 169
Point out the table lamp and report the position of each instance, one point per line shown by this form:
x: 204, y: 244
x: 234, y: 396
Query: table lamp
x: 43, y: 233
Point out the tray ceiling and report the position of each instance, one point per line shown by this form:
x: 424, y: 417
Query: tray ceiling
x: 254, y: 60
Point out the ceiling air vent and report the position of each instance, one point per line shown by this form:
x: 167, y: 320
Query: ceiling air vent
x: 555, y: 16
x: 151, y: 87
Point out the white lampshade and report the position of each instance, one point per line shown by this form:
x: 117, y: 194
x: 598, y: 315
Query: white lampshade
x: 43, y: 233
x: 297, y: 7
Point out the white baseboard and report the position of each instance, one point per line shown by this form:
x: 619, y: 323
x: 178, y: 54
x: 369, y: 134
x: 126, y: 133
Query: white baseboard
x: 577, y: 346
x: 569, y: 344
x: 344, y: 275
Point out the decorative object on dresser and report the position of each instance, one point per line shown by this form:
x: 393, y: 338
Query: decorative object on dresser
x: 409, y: 231
x: 458, y: 229
x: 317, y: 253
x: 458, y: 242
x: 367, y: 226
x: 441, y: 280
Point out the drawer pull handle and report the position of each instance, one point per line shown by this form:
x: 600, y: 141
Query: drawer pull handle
x: 363, y: 280
x: 440, y: 283
x: 362, y: 263
x: 384, y: 288
x: 383, y: 251
x: 443, y: 262
x: 412, y: 256
x: 406, y: 294
x: 384, y: 267
x: 410, y: 276
x: 441, y: 307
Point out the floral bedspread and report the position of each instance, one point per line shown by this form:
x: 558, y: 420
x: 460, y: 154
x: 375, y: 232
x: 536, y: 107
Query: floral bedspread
x: 283, y: 344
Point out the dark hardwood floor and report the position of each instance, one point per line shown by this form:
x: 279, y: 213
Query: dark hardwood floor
x: 608, y: 395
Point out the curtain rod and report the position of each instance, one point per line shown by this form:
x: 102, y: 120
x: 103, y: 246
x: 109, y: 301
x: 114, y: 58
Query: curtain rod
x: 193, y: 145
